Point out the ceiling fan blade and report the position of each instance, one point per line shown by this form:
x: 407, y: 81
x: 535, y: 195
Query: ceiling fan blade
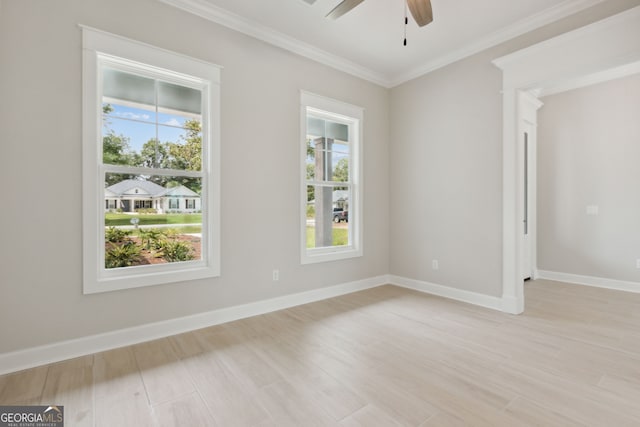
x: 421, y: 11
x: 343, y: 8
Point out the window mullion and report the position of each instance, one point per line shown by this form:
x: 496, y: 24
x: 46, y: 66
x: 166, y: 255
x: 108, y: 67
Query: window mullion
x: 157, y: 142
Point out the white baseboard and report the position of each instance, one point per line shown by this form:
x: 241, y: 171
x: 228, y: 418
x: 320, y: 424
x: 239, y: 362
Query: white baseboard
x: 56, y: 352
x: 482, y: 300
x: 512, y: 305
x: 598, y: 282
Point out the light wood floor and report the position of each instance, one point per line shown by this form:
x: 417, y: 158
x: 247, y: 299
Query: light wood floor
x: 382, y: 357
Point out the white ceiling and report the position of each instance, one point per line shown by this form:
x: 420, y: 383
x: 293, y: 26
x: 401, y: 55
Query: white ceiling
x: 368, y: 41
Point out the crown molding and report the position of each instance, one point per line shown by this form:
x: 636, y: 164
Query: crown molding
x: 592, y: 79
x: 206, y: 10
x: 552, y: 14
x: 221, y: 16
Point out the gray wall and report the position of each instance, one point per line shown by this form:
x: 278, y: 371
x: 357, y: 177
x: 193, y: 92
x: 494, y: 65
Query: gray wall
x: 41, y: 298
x: 446, y: 166
x: 588, y: 151
x: 446, y: 163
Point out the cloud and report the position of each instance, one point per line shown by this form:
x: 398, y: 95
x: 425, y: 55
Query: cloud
x: 173, y: 122
x: 132, y: 116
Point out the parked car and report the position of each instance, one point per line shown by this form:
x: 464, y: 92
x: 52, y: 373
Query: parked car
x: 340, y: 215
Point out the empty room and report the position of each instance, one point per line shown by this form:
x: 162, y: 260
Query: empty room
x: 320, y: 213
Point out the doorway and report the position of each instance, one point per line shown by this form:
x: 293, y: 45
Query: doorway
x: 604, y: 47
x: 529, y: 105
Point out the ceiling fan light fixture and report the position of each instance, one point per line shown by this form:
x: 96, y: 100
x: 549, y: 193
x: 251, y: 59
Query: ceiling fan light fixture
x: 343, y: 7
x: 420, y: 10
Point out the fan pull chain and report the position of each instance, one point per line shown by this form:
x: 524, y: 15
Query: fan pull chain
x: 406, y: 22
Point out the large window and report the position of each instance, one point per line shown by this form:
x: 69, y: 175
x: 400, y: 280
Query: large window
x: 151, y: 131
x: 331, y: 179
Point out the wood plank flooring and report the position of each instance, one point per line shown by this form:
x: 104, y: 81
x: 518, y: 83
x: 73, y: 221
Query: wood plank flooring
x: 382, y: 357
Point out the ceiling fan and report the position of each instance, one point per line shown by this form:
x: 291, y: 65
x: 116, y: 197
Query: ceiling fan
x: 420, y: 9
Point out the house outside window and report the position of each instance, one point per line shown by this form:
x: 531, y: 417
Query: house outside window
x: 331, y: 195
x: 151, y: 136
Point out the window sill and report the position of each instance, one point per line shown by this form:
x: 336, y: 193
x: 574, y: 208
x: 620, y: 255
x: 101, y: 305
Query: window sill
x: 313, y: 256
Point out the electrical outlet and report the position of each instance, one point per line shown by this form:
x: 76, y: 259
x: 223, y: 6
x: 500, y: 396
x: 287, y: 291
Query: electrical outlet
x: 276, y: 275
x: 638, y: 263
x: 434, y: 264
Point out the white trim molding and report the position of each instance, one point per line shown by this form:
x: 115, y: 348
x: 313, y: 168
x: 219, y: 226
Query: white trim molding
x: 56, y: 352
x: 554, y: 13
x: 250, y: 27
x: 469, y: 297
x: 64, y: 350
x: 207, y: 10
x: 592, y: 79
x: 596, y: 282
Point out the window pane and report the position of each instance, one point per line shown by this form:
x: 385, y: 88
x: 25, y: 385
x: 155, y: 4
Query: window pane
x: 179, y: 98
x: 131, y: 88
x: 340, y: 167
x: 132, y: 143
x: 124, y: 141
x: 327, y: 216
x: 151, y: 220
x: 150, y: 123
x: 327, y: 160
x: 174, y: 119
x: 183, y: 145
x: 321, y: 128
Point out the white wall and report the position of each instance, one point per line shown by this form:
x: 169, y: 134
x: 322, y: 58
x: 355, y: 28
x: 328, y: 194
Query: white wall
x: 41, y: 298
x: 588, y: 151
x: 446, y: 166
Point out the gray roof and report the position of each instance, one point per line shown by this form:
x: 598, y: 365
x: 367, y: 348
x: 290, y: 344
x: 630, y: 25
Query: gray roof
x: 180, y: 190
x: 148, y: 187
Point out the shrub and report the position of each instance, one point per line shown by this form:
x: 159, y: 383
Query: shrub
x: 175, y: 250
x: 171, y: 233
x: 146, y: 211
x: 116, y: 235
x: 123, y: 255
x: 152, y: 238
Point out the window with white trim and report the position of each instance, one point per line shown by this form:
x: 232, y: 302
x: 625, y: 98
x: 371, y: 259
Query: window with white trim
x: 331, y: 207
x: 150, y: 137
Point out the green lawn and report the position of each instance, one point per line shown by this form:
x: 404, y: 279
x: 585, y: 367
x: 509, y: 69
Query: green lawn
x: 112, y: 219
x: 340, y: 237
